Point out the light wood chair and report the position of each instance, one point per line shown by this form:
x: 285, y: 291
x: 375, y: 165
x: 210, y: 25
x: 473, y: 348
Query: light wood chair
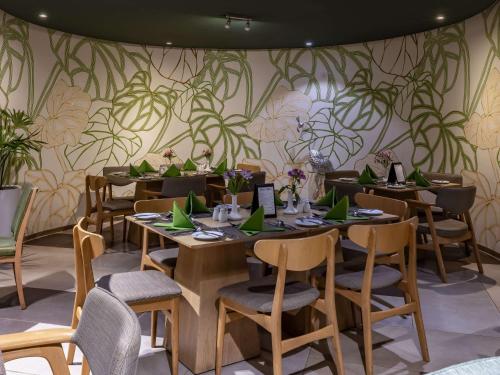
x: 109, y: 335
x: 264, y: 300
x: 357, y: 286
x: 456, y: 227
x: 117, y: 181
x: 142, y: 290
x: 248, y: 167
x: 11, y: 248
x: 244, y: 198
x: 99, y: 210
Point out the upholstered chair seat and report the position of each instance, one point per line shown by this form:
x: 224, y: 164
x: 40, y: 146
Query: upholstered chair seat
x: 446, y: 228
x: 383, y: 276
x: 165, y: 257
x: 118, y: 205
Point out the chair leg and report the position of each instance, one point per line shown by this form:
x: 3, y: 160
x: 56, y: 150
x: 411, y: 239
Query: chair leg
x: 476, y: 254
x: 16, y: 267
x: 332, y: 317
x: 98, y: 226
x: 440, y: 262
x: 221, y: 326
x: 72, y: 347
x: 276, y: 345
x: 85, y: 367
x: 174, y: 314
x: 154, y: 325
x: 162, y: 241
x: 112, y: 229
x: 124, y: 229
x: 367, y: 340
x: 54, y: 354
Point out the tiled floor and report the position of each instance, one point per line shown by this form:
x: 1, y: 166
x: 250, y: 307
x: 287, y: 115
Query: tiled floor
x: 462, y: 318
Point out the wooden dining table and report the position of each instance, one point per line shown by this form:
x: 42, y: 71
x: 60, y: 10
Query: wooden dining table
x: 204, y: 267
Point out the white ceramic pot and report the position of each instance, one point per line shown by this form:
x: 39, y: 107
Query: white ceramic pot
x: 9, y: 197
x: 290, y: 209
x: 235, y: 214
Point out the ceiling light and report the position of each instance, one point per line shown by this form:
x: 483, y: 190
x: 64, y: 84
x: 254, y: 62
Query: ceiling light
x: 309, y: 44
x: 247, y: 26
x: 440, y: 17
x: 168, y: 43
x: 43, y: 15
x: 228, y: 23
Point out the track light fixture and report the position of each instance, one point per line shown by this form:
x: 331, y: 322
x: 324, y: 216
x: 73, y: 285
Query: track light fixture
x: 230, y: 18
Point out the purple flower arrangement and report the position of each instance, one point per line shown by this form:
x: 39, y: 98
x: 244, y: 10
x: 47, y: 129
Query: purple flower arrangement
x: 384, y: 158
x: 296, y: 175
x: 237, y: 179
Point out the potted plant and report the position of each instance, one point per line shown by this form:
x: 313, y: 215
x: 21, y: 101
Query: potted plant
x: 17, y: 143
x: 235, y: 182
x: 295, y: 175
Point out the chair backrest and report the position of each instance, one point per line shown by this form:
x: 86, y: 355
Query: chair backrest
x: 162, y: 205
x: 350, y: 173
x: 174, y: 187
x: 258, y: 178
x: 243, y: 198
x: 248, y: 167
x: 23, y: 211
x: 455, y: 178
x: 388, y: 205
x: 456, y: 200
x: 115, y: 180
x: 346, y: 188
x: 109, y: 334
x: 97, y: 185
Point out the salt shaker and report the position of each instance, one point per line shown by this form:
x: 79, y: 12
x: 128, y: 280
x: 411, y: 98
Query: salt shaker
x: 307, y: 207
x: 223, y: 214
x: 215, y: 214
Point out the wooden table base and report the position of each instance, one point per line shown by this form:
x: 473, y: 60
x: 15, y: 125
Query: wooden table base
x: 201, y: 273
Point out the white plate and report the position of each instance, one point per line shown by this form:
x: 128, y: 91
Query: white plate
x: 348, y: 179
x: 208, y: 235
x: 368, y: 212
x: 308, y: 222
x: 397, y: 186
x: 147, y: 216
x: 440, y: 182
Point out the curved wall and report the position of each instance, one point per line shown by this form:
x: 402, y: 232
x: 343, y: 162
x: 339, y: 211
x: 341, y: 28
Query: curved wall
x: 432, y: 98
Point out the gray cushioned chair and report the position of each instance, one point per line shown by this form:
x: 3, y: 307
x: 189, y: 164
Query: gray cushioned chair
x: 174, y: 187
x: 109, y: 336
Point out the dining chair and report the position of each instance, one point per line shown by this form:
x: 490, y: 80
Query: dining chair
x: 113, y: 181
x: 264, y: 300
x: 98, y: 209
x: 142, y: 290
x: 335, y: 175
x: 244, y: 198
x: 357, y: 287
x: 11, y: 248
x: 174, y: 187
x: 248, y: 167
x: 109, y: 336
x: 348, y: 189
x: 452, y: 177
x: 456, y: 227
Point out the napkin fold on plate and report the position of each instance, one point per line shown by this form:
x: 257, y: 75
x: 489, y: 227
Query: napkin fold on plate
x: 339, y: 211
x: 189, y: 165
x: 194, y: 205
x: 172, y: 171
x: 180, y: 220
x: 133, y: 172
x: 221, y: 168
x: 366, y: 178
x: 255, y: 224
x: 327, y: 200
x: 145, y: 167
x: 418, y: 177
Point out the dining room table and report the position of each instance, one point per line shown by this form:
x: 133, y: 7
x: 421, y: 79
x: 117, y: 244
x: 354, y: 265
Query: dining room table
x: 203, y: 267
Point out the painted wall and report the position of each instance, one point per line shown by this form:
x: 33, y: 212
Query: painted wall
x: 432, y: 98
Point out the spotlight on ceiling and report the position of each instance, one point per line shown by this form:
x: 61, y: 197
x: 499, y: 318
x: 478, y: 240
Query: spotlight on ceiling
x: 230, y: 18
x: 440, y: 17
x: 43, y: 15
x: 228, y: 23
x: 168, y: 43
x: 247, y: 26
x: 309, y: 44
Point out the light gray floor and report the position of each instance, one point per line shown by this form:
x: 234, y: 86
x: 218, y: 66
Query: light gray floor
x: 462, y: 317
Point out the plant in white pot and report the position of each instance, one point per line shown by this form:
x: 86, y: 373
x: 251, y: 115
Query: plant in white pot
x: 295, y: 176
x: 17, y: 144
x: 236, y: 179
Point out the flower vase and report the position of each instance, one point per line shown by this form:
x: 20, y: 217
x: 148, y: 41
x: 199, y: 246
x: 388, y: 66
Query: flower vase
x: 235, y: 214
x: 290, y: 209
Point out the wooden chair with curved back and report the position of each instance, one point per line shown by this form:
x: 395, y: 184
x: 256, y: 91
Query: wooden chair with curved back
x: 249, y: 167
x: 143, y: 291
x: 385, y: 239
x: 264, y: 300
x: 98, y: 210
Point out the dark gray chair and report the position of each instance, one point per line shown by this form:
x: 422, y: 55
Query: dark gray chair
x: 114, y: 180
x: 109, y: 336
x: 335, y: 175
x: 174, y: 187
x: 346, y: 188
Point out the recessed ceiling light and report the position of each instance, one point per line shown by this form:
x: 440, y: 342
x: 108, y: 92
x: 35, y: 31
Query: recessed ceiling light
x: 309, y: 44
x: 168, y: 43
x: 228, y: 23
x: 247, y: 26
x: 440, y: 17
x: 43, y: 15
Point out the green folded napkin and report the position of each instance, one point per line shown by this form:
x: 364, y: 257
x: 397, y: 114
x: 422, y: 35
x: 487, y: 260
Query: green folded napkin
x: 255, y: 224
x: 366, y: 178
x: 189, y: 165
x: 371, y: 171
x: 145, y: 167
x: 339, y: 211
x: 327, y: 200
x: 172, y: 171
x: 221, y: 168
x: 420, y: 180
x: 180, y: 220
x: 194, y: 205
x: 133, y: 172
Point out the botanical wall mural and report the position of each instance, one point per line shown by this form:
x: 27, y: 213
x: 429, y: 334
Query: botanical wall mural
x: 432, y: 98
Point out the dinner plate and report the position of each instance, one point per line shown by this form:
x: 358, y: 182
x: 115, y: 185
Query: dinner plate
x: 368, y: 212
x: 348, y: 179
x: 207, y: 235
x: 120, y: 174
x: 308, y: 222
x: 147, y: 216
x: 397, y: 186
x: 440, y: 182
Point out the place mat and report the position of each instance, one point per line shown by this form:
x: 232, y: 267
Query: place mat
x: 201, y: 215
x: 320, y: 207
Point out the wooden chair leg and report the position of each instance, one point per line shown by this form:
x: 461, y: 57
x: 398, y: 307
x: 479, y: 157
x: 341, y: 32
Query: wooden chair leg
x: 16, y: 267
x: 174, y: 315
x: 99, y: 225
x: 221, y: 326
x: 476, y: 254
x: 154, y: 325
x: 54, y: 354
x: 332, y: 318
x: 124, y: 229
x: 162, y: 241
x: 440, y: 262
x: 276, y: 346
x: 72, y: 347
x: 112, y: 229
x: 367, y: 339
x: 85, y: 367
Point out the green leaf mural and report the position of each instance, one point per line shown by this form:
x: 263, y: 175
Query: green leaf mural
x: 491, y: 18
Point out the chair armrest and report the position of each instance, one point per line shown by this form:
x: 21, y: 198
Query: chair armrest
x: 23, y: 340
x: 217, y: 187
x: 152, y: 193
x: 418, y: 204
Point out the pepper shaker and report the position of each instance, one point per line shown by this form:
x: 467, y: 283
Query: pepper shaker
x: 307, y: 206
x: 223, y: 214
x: 215, y: 214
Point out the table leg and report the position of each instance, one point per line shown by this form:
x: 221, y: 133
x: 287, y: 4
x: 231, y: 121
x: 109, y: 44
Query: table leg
x: 200, y: 273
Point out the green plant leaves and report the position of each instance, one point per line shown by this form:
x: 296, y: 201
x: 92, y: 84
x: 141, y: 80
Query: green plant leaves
x: 138, y: 107
x: 103, y: 143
